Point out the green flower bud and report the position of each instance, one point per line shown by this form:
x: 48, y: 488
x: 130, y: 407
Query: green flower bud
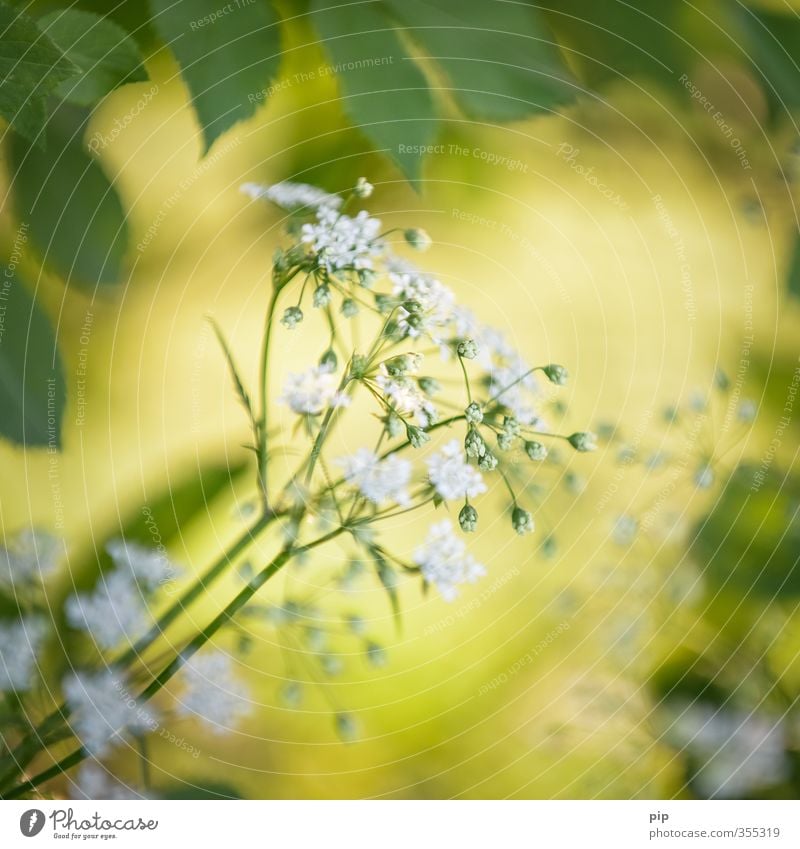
x: 346, y: 727
x: 349, y: 308
x: 418, y: 239
x: 394, y: 425
x: 556, y: 374
x: 583, y: 441
x: 522, y: 521
x: 429, y: 385
x: 322, y: 296
x: 376, y: 654
x: 488, y: 462
x: 366, y: 277
x: 468, y: 519
x: 363, y: 189
x: 279, y: 262
x: 474, y: 444
x: 292, y: 316
x: 416, y: 436
x: 358, y: 366
x: 467, y: 349
x: 474, y: 413
x: 329, y: 361
x: 384, y: 303
x: 535, y: 450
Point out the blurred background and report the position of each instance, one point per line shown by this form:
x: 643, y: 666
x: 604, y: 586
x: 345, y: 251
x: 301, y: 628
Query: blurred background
x: 643, y: 644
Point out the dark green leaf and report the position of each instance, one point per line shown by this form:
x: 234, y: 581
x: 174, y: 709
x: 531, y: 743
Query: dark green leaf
x: 32, y: 390
x: 104, y: 52
x: 228, y: 55
x: 208, y: 790
x: 76, y: 218
x: 385, y: 94
x: 31, y: 67
x: 499, y: 59
x: 794, y: 269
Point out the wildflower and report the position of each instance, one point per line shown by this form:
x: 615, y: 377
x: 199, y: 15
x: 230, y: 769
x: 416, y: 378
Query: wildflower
x: 488, y: 462
x: 418, y: 238
x: 535, y: 450
x: 378, y: 480
x: 416, y: 436
x: 292, y: 316
x: 149, y: 566
x: 467, y: 349
x: 322, y: 297
x: 522, y: 521
x: 445, y: 562
x: 584, y: 441
x: 343, y: 242
x: 363, y: 189
x: 405, y: 398
x: 20, y: 642
x: 473, y: 413
x: 312, y: 391
x: 349, y: 308
x: 474, y: 444
x: 212, y: 693
x: 468, y: 518
x: 556, y: 374
x: 290, y: 196
x: 102, y: 709
x: 427, y: 305
x: 329, y: 361
x: 509, y: 433
x: 30, y: 554
x: 452, y: 477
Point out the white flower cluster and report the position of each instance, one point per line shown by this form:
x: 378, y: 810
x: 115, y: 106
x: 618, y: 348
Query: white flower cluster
x: 102, y: 709
x: 20, y: 641
x: 740, y: 752
x: 405, y: 398
x: 116, y: 610
x: 452, y: 476
x: 311, y: 392
x: 342, y: 242
x: 212, y: 693
x: 31, y: 554
x: 378, y: 480
x: 445, y: 561
x: 291, y: 196
x: 93, y: 781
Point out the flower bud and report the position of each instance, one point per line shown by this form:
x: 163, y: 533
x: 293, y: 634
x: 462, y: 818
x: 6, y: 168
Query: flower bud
x: 394, y: 425
x: 416, y: 436
x: 474, y: 444
x: 363, y: 189
x: 358, y: 366
x: 488, y: 462
x: 535, y: 450
x: 346, y: 727
x: 322, y: 296
x: 467, y: 349
x: 349, y: 308
x: 292, y: 316
x: 418, y: 239
x: 583, y: 441
x: 279, y: 263
x: 366, y: 277
x: 376, y: 654
x: 474, y: 413
x: 329, y: 361
x: 522, y: 521
x: 556, y: 374
x: 468, y: 519
x: 429, y: 385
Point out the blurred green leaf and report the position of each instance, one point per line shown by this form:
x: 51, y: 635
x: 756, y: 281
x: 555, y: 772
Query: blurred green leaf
x: 794, y: 269
x: 32, y: 389
x: 31, y: 67
x: 207, y: 790
x: 385, y: 93
x: 76, y: 218
x: 228, y: 55
x: 104, y: 52
x: 500, y: 58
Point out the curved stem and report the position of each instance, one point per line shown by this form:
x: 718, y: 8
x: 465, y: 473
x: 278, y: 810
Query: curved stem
x: 263, y: 384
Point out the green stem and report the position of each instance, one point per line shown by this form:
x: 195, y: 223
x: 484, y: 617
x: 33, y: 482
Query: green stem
x: 264, y: 390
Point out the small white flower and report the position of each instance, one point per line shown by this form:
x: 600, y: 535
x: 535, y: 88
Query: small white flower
x: 114, y: 611
x: 102, y: 708
x: 213, y: 694
x: 405, y: 397
x: 445, y: 561
x: 29, y: 555
x: 312, y: 391
x: 291, y: 196
x: 149, y: 566
x: 363, y: 188
x: 434, y: 303
x: 343, y: 242
x: 378, y: 480
x: 95, y: 782
x: 451, y: 475
x: 20, y: 641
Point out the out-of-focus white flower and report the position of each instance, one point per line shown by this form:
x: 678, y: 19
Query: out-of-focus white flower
x: 149, y: 566
x: 20, y: 641
x: 445, y: 561
x: 102, y: 709
x: 363, y: 188
x: 433, y: 304
x: 378, y: 480
x: 452, y: 476
x: 741, y: 752
x: 95, y: 782
x: 30, y: 554
x: 312, y: 391
x: 405, y: 397
x: 114, y: 611
x: 343, y: 242
x: 213, y: 694
x: 291, y: 196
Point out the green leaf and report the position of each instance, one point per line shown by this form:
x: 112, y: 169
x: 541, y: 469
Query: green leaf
x: 385, y: 93
x: 228, y: 55
x: 32, y: 388
x: 388, y: 578
x: 206, y: 790
x: 500, y: 58
x: 31, y: 67
x: 793, y: 279
x: 76, y: 218
x: 107, y: 56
